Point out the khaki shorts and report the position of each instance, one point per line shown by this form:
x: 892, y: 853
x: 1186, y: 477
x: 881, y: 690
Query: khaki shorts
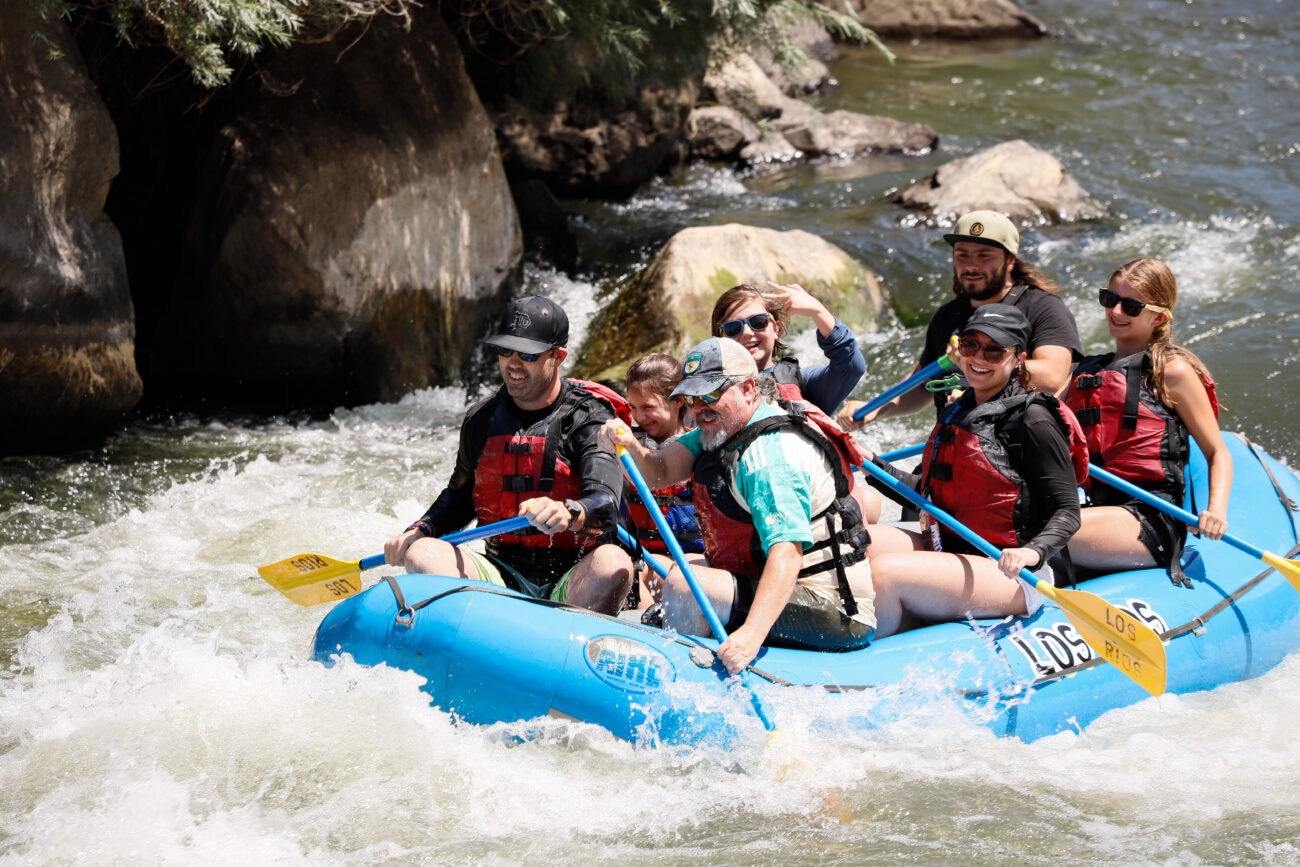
x: 493, y: 571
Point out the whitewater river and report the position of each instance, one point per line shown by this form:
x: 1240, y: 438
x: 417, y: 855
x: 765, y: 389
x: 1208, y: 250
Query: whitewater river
x: 156, y: 700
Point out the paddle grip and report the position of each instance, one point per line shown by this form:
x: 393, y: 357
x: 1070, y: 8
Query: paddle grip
x: 935, y: 367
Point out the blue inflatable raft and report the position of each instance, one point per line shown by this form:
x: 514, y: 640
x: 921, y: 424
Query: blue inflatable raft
x: 490, y: 656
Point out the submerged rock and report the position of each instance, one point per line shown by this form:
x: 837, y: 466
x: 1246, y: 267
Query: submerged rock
x: 1014, y: 177
x: 666, y: 307
x: 67, y: 327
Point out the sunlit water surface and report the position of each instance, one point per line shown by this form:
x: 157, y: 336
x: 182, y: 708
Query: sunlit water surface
x: 157, y: 705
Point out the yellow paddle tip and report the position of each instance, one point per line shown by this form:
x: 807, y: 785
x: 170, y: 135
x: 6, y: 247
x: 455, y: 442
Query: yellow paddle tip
x: 1290, y: 569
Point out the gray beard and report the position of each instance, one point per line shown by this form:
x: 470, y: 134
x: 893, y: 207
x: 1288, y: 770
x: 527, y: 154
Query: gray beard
x: 712, y: 441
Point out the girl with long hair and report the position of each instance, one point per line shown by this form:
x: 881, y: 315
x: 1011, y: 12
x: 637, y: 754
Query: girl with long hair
x: 1137, y: 406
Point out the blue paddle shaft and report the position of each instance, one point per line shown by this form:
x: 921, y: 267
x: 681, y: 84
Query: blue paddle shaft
x: 674, y: 547
x: 626, y: 538
x: 931, y: 370
x: 943, y: 517
x: 507, y: 526
x: 679, y: 556
x: 1167, y: 507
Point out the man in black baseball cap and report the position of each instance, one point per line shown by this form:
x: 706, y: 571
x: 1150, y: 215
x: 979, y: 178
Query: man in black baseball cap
x: 530, y: 449
x: 987, y: 269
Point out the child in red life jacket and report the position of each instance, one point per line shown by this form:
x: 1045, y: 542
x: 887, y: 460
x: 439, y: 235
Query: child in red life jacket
x: 1136, y: 406
x: 1004, y: 461
x: 661, y: 419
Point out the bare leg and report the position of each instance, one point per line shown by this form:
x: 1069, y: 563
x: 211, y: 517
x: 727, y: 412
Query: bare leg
x: 436, y: 557
x: 888, y: 539
x: 681, y: 611
x: 601, y: 580
x: 934, y: 586
x: 1108, y: 540
x: 870, y: 503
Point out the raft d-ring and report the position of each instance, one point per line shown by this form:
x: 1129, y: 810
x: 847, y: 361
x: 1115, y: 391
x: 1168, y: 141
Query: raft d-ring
x: 405, y: 617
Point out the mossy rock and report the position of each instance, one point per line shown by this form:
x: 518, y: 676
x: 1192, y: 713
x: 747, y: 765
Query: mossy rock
x: 667, y: 306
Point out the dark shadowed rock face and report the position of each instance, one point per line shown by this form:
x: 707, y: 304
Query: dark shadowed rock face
x: 67, y: 334
x: 597, y: 151
x: 354, y: 230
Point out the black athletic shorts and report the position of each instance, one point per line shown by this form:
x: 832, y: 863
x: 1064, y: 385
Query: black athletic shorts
x: 808, y: 622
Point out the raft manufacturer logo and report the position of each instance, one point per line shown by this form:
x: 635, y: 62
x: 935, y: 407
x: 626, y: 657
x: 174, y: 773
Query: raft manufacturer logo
x: 1056, y: 648
x: 627, y: 664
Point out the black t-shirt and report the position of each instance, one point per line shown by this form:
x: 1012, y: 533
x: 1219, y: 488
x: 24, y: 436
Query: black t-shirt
x: 1050, y: 324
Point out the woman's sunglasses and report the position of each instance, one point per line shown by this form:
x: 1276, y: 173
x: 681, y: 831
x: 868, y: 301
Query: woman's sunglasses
x: 1130, y: 306
x: 733, y: 327
x: 529, y: 357
x: 991, y: 351
x: 710, y: 398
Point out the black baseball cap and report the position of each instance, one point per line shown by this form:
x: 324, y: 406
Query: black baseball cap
x: 531, y: 324
x: 1002, y: 323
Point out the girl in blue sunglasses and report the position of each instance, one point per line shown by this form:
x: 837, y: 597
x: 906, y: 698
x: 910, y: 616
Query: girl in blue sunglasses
x: 757, y: 319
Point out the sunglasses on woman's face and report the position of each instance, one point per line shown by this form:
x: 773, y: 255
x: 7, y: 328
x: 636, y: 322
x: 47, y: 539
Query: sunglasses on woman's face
x: 991, y: 351
x: 707, y: 399
x: 1130, y: 306
x: 733, y: 327
x: 529, y: 357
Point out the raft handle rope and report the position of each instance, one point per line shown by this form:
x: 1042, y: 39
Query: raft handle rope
x: 1196, y: 625
x: 1282, y: 497
x: 406, y: 616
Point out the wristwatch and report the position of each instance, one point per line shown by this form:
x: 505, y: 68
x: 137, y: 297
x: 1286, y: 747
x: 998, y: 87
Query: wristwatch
x: 575, y: 512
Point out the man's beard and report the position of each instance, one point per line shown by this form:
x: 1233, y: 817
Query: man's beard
x: 714, y: 440
x: 992, y: 290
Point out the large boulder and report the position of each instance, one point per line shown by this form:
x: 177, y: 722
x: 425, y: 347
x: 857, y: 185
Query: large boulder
x: 950, y: 19
x: 667, y: 306
x: 355, y: 230
x: 1014, y: 177
x: 595, y: 150
x: 67, y: 332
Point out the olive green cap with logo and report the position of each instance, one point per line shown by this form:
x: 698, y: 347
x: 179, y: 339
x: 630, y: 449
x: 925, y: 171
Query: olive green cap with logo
x: 986, y: 227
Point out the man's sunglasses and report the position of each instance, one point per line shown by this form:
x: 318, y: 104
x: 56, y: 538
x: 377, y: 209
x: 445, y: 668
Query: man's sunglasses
x: 991, y: 351
x: 710, y: 398
x: 1130, y: 306
x: 529, y: 357
x: 733, y: 327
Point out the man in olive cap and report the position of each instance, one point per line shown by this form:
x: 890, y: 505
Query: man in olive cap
x: 987, y: 269
x: 530, y: 449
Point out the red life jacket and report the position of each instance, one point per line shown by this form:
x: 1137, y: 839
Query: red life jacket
x: 840, y: 537
x: 677, y: 503
x: 970, y: 465
x: 517, y: 467
x: 1129, y: 431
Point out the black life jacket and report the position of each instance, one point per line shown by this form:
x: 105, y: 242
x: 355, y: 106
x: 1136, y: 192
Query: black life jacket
x: 731, y: 542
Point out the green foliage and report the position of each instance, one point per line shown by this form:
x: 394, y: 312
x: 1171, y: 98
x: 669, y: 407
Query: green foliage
x: 559, y: 48
x: 208, y: 35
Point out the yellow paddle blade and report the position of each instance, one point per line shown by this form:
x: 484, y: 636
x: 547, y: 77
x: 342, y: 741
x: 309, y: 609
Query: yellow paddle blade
x: 1122, y: 640
x: 1290, y: 569
x: 310, y: 579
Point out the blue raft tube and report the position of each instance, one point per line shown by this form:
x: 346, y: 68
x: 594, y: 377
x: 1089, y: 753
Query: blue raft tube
x: 492, y: 656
